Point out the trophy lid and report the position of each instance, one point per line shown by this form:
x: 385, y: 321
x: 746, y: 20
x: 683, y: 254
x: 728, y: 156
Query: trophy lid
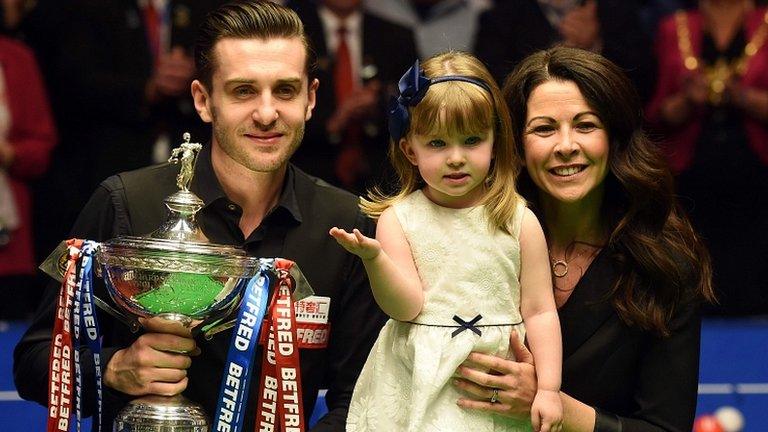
x: 155, y: 254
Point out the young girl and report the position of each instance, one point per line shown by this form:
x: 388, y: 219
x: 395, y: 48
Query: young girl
x: 458, y: 261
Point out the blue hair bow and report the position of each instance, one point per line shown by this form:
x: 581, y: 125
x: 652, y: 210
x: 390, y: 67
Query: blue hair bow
x: 412, y: 88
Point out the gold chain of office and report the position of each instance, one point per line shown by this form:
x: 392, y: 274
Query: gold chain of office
x: 722, y: 71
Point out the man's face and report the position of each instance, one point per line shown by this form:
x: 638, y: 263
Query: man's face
x: 259, y: 100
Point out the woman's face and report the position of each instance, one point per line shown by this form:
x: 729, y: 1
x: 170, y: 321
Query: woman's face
x: 565, y: 144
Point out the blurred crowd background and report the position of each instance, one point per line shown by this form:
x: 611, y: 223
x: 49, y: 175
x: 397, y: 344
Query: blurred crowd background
x: 89, y: 88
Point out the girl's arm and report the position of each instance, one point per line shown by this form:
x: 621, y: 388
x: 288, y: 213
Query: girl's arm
x: 389, y: 263
x: 538, y: 304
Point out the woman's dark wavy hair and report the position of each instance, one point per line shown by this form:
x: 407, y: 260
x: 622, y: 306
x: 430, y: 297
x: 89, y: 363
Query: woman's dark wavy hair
x: 662, y: 262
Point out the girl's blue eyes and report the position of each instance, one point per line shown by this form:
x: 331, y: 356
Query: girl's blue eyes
x: 473, y: 140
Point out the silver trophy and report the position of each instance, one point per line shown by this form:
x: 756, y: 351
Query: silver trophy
x: 175, y: 274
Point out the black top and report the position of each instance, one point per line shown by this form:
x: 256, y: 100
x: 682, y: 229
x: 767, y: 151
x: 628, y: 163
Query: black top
x: 636, y: 380
x: 296, y: 228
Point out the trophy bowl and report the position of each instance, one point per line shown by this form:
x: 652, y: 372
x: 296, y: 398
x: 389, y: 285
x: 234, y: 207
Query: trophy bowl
x: 191, y: 283
x: 148, y: 277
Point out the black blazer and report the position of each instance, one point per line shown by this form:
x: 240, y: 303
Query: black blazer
x: 390, y: 49
x: 636, y: 380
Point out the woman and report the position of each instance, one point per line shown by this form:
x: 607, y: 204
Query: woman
x: 711, y: 104
x: 627, y: 268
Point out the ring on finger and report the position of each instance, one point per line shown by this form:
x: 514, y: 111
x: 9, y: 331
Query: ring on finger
x: 495, y: 396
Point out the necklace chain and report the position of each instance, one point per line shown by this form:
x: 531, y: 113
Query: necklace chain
x: 560, y: 267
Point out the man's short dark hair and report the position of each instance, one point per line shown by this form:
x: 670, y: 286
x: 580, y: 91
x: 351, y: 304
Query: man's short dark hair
x: 246, y: 19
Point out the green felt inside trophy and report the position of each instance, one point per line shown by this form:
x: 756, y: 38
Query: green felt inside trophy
x: 184, y: 293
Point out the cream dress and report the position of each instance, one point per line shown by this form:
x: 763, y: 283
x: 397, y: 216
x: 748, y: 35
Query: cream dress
x: 466, y: 270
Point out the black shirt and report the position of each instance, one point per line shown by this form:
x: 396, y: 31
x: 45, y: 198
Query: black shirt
x: 296, y: 228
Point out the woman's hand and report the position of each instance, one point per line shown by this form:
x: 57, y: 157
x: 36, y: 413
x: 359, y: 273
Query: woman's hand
x: 512, y: 381
x: 364, y: 247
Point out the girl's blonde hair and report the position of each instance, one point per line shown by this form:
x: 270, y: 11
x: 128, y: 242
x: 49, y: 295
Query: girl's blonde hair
x: 458, y: 107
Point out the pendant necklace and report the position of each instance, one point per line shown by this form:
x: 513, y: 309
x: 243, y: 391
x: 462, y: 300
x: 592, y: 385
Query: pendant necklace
x: 560, y: 266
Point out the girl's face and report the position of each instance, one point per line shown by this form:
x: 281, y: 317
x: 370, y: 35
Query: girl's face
x: 565, y: 143
x: 453, y: 166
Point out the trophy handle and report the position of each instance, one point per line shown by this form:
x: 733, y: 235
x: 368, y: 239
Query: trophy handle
x: 221, y: 323
x: 216, y: 327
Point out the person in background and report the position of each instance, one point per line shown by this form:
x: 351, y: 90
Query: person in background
x: 629, y: 272
x: 119, y: 72
x: 710, y: 109
x: 439, y: 25
x: 360, y: 58
x: 653, y: 11
x: 514, y: 29
x: 256, y: 90
x: 27, y: 136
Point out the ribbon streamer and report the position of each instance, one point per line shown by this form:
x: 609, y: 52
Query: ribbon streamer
x: 280, y: 406
x: 74, y: 323
x: 233, y: 392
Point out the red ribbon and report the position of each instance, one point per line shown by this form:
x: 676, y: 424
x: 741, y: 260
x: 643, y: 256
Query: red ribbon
x: 280, y: 406
x: 61, y: 360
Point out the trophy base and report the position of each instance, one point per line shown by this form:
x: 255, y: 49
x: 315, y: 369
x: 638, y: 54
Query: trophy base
x: 161, y: 414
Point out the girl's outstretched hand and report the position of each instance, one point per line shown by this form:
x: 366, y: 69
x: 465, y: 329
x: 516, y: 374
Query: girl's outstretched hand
x: 364, y: 247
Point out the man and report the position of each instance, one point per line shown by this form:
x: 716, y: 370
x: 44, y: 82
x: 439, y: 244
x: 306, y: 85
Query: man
x: 254, y: 88
x: 360, y: 59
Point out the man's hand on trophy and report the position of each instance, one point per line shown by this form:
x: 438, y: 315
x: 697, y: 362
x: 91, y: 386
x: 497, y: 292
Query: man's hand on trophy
x: 156, y: 363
